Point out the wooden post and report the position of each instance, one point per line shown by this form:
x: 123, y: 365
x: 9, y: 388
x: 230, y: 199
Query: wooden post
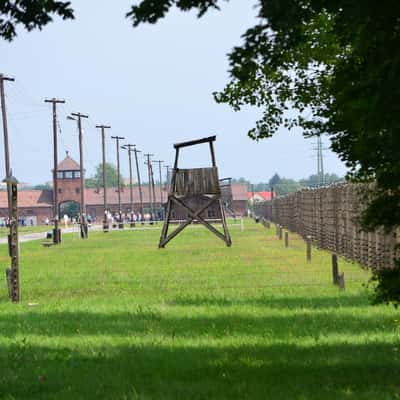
x: 335, y: 269
x: 308, y: 241
x: 277, y: 229
x: 280, y: 232
x: 13, y: 240
x: 341, y: 281
x: 286, y: 239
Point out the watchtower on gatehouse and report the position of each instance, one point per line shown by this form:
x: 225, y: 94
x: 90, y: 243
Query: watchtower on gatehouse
x: 69, y: 187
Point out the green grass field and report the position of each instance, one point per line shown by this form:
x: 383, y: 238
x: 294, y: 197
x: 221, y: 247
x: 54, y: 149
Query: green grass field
x: 113, y: 317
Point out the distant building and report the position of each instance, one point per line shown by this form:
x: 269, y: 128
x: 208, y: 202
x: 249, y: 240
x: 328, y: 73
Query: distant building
x: 35, y: 206
x: 259, y: 196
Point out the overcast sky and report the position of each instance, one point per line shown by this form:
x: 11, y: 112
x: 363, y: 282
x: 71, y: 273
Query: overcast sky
x: 152, y: 84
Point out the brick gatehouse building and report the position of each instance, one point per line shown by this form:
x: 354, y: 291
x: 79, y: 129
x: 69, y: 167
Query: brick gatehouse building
x: 35, y: 206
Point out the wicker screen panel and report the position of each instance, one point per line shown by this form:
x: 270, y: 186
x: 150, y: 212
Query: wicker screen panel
x: 196, y: 181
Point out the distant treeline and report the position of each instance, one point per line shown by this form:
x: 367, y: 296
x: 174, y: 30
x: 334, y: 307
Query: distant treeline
x: 283, y: 186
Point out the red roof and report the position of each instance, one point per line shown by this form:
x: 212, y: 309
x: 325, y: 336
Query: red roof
x: 68, y: 164
x: 263, y: 195
x: 29, y: 198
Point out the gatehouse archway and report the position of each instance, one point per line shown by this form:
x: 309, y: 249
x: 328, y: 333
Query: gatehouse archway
x: 71, y: 208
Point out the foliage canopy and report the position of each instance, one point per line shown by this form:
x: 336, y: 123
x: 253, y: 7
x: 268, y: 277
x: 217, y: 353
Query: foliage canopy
x: 111, y: 177
x: 31, y: 14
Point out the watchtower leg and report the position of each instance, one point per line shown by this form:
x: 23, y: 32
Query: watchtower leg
x: 164, y: 231
x: 214, y: 164
x: 228, y: 240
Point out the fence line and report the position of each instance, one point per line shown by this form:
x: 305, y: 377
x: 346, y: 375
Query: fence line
x: 330, y: 216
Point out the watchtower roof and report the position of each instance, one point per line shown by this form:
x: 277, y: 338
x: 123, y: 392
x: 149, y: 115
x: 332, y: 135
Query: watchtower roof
x: 68, y: 164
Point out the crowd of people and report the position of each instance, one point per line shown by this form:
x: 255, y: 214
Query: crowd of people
x: 5, y: 222
x: 111, y: 218
x: 131, y: 217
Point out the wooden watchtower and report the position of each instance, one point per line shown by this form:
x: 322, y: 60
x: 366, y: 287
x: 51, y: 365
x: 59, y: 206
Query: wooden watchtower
x: 197, y: 191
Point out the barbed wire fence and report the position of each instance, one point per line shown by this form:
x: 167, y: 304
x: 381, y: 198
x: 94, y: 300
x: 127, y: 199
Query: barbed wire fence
x: 330, y: 216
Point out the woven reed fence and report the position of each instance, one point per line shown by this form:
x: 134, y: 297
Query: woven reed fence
x: 330, y: 216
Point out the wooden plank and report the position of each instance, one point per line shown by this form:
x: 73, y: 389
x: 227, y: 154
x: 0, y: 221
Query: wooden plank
x: 194, y: 142
x: 196, y: 181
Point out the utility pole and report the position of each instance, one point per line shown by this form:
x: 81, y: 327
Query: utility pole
x: 129, y: 147
x: 5, y: 134
x: 103, y: 146
x: 320, y: 162
x: 150, y: 191
x: 252, y: 190
x: 139, y: 182
x: 118, y: 138
x: 168, y: 168
x: 84, y: 227
x: 12, y: 274
x: 159, y: 162
x: 153, y: 188
x: 56, y: 230
x: 161, y: 189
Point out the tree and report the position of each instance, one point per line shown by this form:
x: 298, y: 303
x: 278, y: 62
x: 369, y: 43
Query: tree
x: 313, y: 180
x: 240, y: 180
x: 31, y: 14
x: 43, y: 186
x: 96, y: 181
x: 274, y: 180
x: 336, y: 63
x: 286, y: 186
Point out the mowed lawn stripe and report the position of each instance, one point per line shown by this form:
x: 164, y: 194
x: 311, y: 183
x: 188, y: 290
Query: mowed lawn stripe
x: 114, y: 317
